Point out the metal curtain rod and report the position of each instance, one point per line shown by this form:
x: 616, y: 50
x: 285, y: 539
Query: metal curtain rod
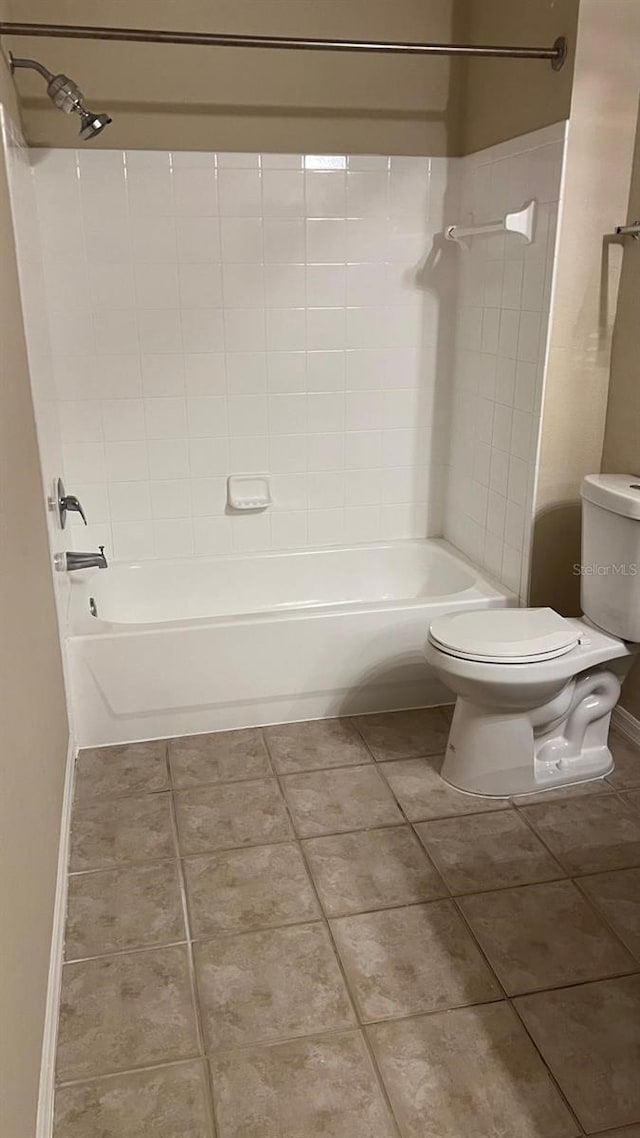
x: 556, y: 54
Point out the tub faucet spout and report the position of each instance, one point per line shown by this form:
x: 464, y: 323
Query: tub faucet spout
x: 74, y: 560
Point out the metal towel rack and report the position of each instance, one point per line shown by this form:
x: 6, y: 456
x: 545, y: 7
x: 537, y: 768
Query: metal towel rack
x: 556, y: 54
x: 521, y: 221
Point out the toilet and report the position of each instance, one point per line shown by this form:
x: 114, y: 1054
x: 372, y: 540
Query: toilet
x: 535, y: 690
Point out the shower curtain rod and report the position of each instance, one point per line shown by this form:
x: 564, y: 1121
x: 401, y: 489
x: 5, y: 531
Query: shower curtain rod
x: 556, y: 54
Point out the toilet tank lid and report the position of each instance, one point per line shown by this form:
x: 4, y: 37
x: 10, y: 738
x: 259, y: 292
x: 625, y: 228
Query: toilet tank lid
x: 619, y: 493
x: 505, y: 634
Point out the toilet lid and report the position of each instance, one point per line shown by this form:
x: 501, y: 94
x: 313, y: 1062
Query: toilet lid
x: 507, y: 636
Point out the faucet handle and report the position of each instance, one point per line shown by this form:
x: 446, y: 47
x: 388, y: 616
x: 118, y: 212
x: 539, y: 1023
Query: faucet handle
x: 70, y: 502
x: 61, y: 502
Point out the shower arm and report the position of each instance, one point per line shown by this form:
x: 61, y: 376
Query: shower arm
x: 33, y: 65
x: 556, y: 54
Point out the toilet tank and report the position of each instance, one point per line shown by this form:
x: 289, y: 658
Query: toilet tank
x: 610, y: 566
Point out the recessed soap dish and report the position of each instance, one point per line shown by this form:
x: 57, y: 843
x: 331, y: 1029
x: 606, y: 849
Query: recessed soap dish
x: 248, y: 492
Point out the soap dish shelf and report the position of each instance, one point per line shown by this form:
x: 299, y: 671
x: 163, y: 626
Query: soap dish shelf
x: 248, y: 492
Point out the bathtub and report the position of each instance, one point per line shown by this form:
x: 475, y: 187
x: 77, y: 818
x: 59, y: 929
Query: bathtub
x: 165, y: 648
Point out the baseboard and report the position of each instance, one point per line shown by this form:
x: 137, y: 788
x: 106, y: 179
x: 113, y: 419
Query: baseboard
x: 44, y: 1121
x: 626, y: 724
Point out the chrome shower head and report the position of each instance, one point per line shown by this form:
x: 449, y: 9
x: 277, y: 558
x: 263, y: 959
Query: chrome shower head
x: 67, y: 97
x: 92, y: 124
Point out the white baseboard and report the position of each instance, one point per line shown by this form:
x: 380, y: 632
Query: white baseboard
x: 626, y: 724
x: 44, y: 1122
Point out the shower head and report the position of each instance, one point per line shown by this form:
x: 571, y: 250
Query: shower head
x: 92, y: 124
x: 67, y: 97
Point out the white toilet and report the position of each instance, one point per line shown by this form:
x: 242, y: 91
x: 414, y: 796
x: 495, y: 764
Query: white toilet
x: 535, y: 690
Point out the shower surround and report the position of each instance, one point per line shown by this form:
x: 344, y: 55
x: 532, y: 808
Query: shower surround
x: 502, y: 320
x: 299, y: 316
x: 239, y: 313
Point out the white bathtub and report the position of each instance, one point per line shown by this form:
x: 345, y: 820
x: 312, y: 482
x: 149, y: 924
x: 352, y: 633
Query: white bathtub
x: 179, y: 647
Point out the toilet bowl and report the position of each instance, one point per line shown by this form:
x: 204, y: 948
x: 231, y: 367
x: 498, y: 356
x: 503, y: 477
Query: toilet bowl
x: 534, y: 698
x: 535, y: 690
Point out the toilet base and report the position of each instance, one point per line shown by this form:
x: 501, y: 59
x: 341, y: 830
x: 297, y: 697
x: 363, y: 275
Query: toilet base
x: 503, y: 755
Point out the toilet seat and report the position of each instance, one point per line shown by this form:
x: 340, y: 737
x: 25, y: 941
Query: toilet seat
x: 504, y: 636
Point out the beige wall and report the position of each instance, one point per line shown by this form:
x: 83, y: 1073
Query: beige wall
x: 621, y: 453
x: 206, y: 98
x: 33, y: 725
x: 507, y: 97
x: 622, y: 433
x: 596, y: 190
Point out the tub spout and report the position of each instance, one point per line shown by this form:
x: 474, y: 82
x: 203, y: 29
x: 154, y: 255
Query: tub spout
x: 73, y: 560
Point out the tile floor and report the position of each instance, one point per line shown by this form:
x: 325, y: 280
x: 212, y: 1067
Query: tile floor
x: 302, y: 932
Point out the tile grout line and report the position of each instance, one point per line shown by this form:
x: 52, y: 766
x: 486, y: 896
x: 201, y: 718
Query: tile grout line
x: 554, y: 1080
x: 193, y: 979
x: 159, y: 1066
x: 359, y: 1027
x: 506, y: 998
x: 114, y: 866
x: 566, y: 869
x: 604, y: 917
x: 135, y: 950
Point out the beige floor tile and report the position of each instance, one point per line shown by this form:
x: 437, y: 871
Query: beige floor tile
x: 322, y: 1087
x: 167, y: 1102
x: 226, y: 756
x: 406, y: 734
x: 334, y: 801
x: 487, y: 851
x: 125, y: 1011
x: 117, y: 909
x: 399, y: 962
x: 264, y: 986
x: 372, y: 869
x: 617, y: 896
x: 234, y: 814
x: 422, y: 793
x: 589, y: 834
x: 590, y: 1038
x: 627, y: 760
x: 311, y: 746
x: 238, y: 890
x: 469, y: 1072
x: 544, y: 936
x: 130, y: 768
x: 116, y: 830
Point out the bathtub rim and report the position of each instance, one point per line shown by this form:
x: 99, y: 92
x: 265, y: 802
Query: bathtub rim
x: 81, y: 624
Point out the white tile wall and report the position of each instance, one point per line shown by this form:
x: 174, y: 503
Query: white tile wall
x: 214, y: 314
x: 504, y: 289
x: 217, y: 314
